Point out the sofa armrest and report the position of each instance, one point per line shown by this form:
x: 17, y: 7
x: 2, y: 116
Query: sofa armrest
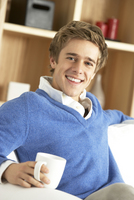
x: 121, y: 142
x: 13, y: 192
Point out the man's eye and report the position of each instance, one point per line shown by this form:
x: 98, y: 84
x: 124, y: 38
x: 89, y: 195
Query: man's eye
x: 89, y: 63
x: 70, y: 58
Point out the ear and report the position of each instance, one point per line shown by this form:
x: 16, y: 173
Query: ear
x: 52, y: 62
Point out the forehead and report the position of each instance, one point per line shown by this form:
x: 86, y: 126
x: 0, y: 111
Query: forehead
x: 81, y: 47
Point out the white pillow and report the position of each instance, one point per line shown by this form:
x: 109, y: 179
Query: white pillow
x: 121, y: 142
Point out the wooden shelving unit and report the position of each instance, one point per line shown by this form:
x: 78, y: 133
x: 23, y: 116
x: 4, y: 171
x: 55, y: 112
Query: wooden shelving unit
x: 25, y: 57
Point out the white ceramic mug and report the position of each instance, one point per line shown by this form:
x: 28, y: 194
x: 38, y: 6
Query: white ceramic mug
x: 56, y: 166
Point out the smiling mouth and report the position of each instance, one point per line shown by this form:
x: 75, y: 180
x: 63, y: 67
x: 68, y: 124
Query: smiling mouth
x: 74, y: 79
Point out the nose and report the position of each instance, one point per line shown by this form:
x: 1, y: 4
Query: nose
x: 78, y: 67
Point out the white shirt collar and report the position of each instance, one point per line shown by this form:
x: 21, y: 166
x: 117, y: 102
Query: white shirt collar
x: 45, y: 84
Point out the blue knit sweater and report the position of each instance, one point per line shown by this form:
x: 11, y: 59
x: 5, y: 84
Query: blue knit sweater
x: 36, y: 123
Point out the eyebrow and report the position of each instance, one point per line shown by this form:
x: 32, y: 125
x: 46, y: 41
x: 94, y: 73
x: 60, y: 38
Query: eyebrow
x: 74, y: 54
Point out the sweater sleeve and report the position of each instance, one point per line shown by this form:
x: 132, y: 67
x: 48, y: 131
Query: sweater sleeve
x: 116, y: 117
x: 13, y: 126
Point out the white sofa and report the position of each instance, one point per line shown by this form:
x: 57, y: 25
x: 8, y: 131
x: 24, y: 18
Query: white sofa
x: 121, y: 139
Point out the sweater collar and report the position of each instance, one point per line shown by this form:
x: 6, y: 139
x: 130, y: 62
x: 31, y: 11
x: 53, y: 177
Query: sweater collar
x: 45, y: 84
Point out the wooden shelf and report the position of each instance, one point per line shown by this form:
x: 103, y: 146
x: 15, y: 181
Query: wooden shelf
x: 28, y: 30
x: 50, y: 34
x: 120, y: 46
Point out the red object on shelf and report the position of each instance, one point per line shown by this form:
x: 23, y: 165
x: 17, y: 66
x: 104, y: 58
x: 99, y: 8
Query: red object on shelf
x: 103, y: 26
x: 112, y: 28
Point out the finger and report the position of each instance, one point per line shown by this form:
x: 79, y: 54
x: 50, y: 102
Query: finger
x: 30, y: 170
x: 44, y: 179
x: 44, y: 169
x: 24, y: 183
x: 32, y: 164
x: 27, y: 181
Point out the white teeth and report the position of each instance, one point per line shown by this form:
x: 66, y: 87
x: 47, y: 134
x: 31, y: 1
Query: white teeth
x: 73, y: 79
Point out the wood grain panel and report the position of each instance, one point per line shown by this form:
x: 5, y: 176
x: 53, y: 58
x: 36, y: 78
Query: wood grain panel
x: 96, y: 10
x: 118, y: 81
x: 64, y: 11
x: 24, y: 59
x: 3, y: 4
x: 126, y: 26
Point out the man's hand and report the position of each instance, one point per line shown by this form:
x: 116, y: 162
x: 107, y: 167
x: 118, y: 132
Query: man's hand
x: 23, y: 174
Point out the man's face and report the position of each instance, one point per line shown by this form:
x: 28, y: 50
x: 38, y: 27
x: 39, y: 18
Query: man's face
x: 75, y: 68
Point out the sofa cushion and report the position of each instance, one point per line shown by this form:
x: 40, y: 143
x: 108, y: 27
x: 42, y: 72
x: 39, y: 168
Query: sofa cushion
x: 121, y: 142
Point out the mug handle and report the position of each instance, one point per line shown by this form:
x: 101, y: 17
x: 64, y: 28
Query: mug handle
x: 37, y: 169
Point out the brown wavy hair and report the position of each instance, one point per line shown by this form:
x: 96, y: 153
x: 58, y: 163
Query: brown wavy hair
x: 80, y: 30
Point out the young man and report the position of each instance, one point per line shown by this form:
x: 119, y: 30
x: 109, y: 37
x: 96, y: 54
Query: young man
x: 61, y: 118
